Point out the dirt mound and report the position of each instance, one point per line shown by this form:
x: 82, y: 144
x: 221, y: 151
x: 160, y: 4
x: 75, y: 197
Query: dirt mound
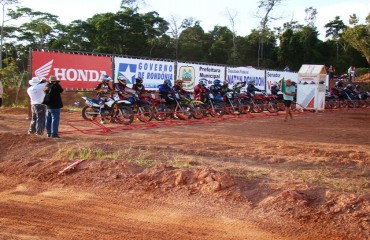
x: 363, y: 78
x: 314, y: 183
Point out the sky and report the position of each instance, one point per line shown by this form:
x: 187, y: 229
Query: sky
x: 211, y: 12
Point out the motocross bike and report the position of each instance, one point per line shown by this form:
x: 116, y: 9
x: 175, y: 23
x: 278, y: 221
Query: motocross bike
x: 160, y: 110
x: 236, y: 104
x: 179, y: 108
x: 141, y: 108
x: 213, y: 107
x: 114, y: 110
x: 199, y: 110
x: 270, y: 102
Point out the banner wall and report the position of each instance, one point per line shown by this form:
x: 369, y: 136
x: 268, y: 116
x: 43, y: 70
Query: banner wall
x: 152, y: 72
x: 275, y: 76
x: 73, y: 70
x: 191, y: 73
x: 246, y: 74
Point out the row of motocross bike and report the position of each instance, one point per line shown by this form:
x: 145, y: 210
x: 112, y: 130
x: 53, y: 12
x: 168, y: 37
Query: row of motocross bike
x: 347, y: 99
x: 124, y: 109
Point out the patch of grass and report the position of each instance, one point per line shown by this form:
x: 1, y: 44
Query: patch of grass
x: 343, y: 181
x: 142, y: 158
x: 87, y: 153
x: 246, y: 173
x: 184, y: 162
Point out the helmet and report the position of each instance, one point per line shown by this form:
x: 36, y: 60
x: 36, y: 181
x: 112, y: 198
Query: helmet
x: 358, y: 87
x: 178, y: 82
x: 217, y: 82
x: 351, y: 86
x: 105, y: 78
x: 252, y: 82
x: 122, y: 80
x: 239, y: 83
x: 203, y: 82
x: 139, y: 80
x: 225, y: 83
x: 167, y: 82
x: 339, y: 84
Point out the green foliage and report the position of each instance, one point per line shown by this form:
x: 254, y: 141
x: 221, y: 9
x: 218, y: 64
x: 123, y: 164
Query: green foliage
x: 87, y: 153
x: 362, y: 71
x: 132, y: 32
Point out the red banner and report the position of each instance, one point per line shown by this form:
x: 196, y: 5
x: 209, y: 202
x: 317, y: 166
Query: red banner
x: 73, y: 70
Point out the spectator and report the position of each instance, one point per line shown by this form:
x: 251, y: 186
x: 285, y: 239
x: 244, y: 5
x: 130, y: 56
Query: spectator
x: 331, y: 72
x: 38, y: 110
x: 54, y: 104
x: 352, y: 75
x: 349, y: 73
x: 289, y: 93
x: 286, y: 69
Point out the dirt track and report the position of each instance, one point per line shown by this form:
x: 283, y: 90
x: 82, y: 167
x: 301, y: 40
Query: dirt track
x: 247, y: 178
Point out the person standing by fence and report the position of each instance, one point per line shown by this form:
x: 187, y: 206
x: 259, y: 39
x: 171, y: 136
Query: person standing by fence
x: 288, y: 95
x: 54, y: 104
x: 38, y: 110
x: 331, y: 71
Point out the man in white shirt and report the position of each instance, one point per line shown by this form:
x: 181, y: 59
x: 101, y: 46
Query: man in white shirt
x: 38, y: 110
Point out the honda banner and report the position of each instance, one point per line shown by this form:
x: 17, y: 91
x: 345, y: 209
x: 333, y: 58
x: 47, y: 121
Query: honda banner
x: 73, y: 70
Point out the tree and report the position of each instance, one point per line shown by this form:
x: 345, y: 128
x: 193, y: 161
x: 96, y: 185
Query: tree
x: 176, y: 28
x: 231, y: 16
x: 192, y: 44
x: 4, y: 3
x: 335, y: 29
x: 265, y: 8
x: 359, y: 38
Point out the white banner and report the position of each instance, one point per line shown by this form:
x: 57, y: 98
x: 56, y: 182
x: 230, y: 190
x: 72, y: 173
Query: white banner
x: 191, y: 74
x: 246, y: 74
x: 152, y: 72
x: 275, y: 77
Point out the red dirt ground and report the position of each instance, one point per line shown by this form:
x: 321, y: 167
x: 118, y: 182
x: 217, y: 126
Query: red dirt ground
x: 242, y: 178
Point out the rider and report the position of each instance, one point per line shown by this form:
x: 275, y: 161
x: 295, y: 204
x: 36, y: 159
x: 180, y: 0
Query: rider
x: 275, y: 89
x: 139, y: 87
x: 216, y: 90
x: 200, y: 89
x: 121, y: 88
x: 251, y: 89
x: 104, y: 90
x: 178, y: 88
x: 337, y: 88
x: 225, y: 88
x: 238, y: 85
x: 165, y: 90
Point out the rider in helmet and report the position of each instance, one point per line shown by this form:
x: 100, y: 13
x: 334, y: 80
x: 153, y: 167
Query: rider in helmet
x: 104, y: 90
x: 275, y: 89
x: 238, y: 85
x: 200, y: 89
x: 138, y: 86
x: 165, y: 90
x: 216, y: 89
x: 122, y: 89
x: 225, y: 88
x: 251, y: 89
x: 178, y: 88
x: 336, y: 90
